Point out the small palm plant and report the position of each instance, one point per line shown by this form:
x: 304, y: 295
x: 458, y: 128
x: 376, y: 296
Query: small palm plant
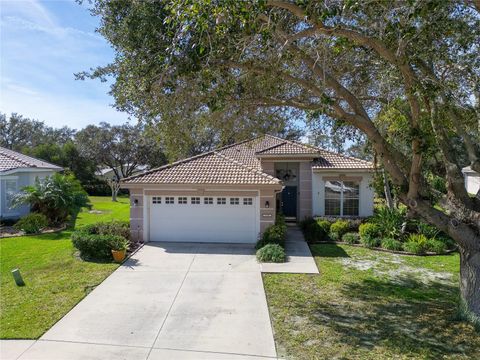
x: 57, y: 197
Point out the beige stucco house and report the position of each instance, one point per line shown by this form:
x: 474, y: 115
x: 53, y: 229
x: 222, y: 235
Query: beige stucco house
x: 233, y: 194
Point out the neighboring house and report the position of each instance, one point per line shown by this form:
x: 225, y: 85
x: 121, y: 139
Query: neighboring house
x: 16, y: 171
x: 232, y: 194
x: 108, y: 173
x: 472, y: 180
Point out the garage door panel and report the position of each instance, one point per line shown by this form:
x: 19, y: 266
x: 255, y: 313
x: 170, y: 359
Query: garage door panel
x: 204, y: 222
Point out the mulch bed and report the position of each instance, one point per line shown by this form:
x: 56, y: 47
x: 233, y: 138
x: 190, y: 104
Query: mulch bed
x: 10, y: 231
x: 386, y: 250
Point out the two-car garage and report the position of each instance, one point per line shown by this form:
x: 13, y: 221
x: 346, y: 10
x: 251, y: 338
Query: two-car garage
x: 187, y: 218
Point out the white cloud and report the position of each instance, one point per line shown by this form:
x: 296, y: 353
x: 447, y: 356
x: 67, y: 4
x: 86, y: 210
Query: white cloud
x: 58, y: 110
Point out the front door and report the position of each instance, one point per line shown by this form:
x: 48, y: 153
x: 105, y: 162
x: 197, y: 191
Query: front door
x: 289, y: 201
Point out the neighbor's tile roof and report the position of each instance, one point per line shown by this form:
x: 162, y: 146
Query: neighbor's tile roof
x: 239, y: 164
x: 10, y: 160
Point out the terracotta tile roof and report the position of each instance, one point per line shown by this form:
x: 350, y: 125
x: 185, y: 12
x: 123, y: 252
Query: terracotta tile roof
x: 209, y: 168
x: 10, y: 160
x: 289, y: 148
x: 331, y: 160
x: 239, y: 164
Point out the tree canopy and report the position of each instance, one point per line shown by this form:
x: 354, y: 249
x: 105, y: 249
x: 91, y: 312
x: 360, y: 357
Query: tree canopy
x: 402, y: 74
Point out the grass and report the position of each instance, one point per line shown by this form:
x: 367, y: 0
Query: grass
x: 56, y: 279
x: 367, y: 304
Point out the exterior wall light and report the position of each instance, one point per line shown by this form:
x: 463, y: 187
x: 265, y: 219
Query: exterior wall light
x: 135, y: 202
x: 267, y: 204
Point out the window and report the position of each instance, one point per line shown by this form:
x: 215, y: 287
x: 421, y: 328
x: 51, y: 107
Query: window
x: 156, y: 200
x: 169, y: 200
x: 182, y: 200
x: 341, y: 198
x: 10, y: 191
x: 247, y: 201
x: 234, y: 201
x: 195, y: 200
x: 208, y: 201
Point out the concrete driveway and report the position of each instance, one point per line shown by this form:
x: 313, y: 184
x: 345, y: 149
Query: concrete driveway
x: 169, y: 301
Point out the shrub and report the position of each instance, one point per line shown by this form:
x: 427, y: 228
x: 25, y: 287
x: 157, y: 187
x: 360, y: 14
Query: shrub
x: 271, y: 253
x: 94, y: 246
x: 325, y: 225
x: 280, y: 220
x: 369, y: 230
x: 389, y: 221
x: 416, y: 243
x: 306, y: 222
x: 32, y: 223
x: 350, y: 238
x: 338, y: 228
x: 115, y: 227
x: 391, y: 244
x: 428, y: 230
x: 369, y: 241
x: 274, y: 234
x: 57, y: 197
x: 314, y: 230
x: 119, y: 243
x: 435, y: 246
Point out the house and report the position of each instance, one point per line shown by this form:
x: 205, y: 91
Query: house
x: 16, y: 171
x: 108, y: 173
x: 472, y: 180
x: 232, y: 194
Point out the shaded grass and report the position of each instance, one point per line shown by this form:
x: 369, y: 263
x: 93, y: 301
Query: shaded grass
x: 56, y: 279
x: 370, y: 305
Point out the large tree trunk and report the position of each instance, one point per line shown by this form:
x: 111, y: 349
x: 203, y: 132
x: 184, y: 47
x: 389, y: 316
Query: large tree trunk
x: 388, y: 193
x: 470, y: 279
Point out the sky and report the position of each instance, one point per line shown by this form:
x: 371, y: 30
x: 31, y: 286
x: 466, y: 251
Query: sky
x: 42, y: 45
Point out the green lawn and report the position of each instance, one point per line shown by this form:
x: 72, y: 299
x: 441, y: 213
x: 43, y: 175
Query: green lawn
x: 55, y: 278
x: 370, y: 305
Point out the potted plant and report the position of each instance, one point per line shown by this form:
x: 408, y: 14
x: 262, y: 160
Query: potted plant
x: 119, y: 248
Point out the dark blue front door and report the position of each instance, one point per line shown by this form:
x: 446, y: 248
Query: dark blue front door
x: 289, y: 201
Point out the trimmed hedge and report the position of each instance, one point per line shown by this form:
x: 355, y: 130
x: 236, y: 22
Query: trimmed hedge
x: 274, y: 234
x: 315, y: 230
x: 271, y: 253
x: 32, y: 223
x: 94, y: 246
x: 95, y: 241
x: 350, y: 238
x: 338, y: 228
x: 391, y: 244
x: 369, y: 230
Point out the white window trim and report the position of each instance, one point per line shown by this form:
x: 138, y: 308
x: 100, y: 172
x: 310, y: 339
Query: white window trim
x: 341, y: 199
x: 10, y: 210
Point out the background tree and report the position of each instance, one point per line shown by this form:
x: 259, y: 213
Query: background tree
x: 345, y: 60
x: 19, y: 133
x: 120, y: 148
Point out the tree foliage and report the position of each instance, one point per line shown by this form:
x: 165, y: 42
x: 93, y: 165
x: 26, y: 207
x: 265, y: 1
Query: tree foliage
x: 405, y: 74
x: 57, y: 197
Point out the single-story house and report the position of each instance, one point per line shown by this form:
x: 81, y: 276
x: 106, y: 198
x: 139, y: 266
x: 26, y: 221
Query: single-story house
x: 16, y: 171
x: 472, y: 180
x: 105, y: 174
x: 233, y: 194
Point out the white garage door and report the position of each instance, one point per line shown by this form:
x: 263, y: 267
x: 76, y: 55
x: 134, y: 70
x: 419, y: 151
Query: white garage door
x: 204, y: 219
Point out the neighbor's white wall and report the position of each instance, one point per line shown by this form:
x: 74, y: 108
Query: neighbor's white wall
x: 23, y: 179
x: 472, y: 182
x: 366, y: 191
